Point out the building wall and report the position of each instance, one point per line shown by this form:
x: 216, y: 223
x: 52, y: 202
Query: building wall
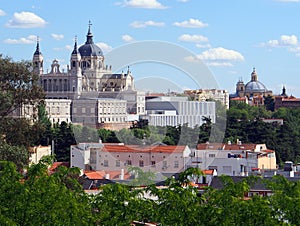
x: 59, y: 110
x: 36, y: 153
x: 172, y: 111
x: 234, y: 162
x: 90, y: 156
x: 206, y: 94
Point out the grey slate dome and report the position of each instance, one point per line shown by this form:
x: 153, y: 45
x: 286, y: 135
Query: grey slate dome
x: 255, y: 86
x: 89, y: 48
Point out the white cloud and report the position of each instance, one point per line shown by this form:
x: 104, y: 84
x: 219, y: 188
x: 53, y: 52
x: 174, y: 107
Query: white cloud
x: 220, y: 53
x: 147, y: 4
x: 57, y: 36
x: 192, y: 38
x: 67, y: 47
x: 289, y: 40
x: 191, y: 23
x: 219, y: 64
x: 2, y: 13
x: 141, y: 24
x: 28, y: 40
x: 127, y: 38
x: 203, y: 46
x: 283, y: 41
x: 26, y: 20
x: 105, y: 47
x: 183, y: 1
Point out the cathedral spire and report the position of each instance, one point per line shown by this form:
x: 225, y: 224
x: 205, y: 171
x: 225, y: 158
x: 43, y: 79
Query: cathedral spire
x: 89, y: 36
x: 37, y: 51
x: 75, y: 46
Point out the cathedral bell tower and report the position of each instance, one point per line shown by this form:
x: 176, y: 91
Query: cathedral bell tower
x: 38, y: 60
x: 75, y: 70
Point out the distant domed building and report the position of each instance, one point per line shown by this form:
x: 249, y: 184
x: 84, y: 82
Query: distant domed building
x: 88, y: 92
x: 254, y: 90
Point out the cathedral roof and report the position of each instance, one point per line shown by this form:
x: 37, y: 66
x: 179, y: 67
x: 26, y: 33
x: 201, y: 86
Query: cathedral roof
x: 89, y: 48
x: 254, y: 85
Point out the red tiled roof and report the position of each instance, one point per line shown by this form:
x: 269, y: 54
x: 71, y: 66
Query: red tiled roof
x: 95, y: 175
x: 143, y: 148
x: 99, y: 175
x: 238, y: 98
x: 212, y: 146
x: 239, y: 146
x: 55, y: 165
x: 208, y: 172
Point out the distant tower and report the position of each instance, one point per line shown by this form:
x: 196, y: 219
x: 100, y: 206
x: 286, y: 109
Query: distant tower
x: 283, y: 92
x: 240, y: 88
x: 76, y: 69
x: 254, y: 76
x: 38, y: 60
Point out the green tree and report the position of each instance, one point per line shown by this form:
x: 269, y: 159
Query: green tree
x: 18, y: 86
x: 17, y: 154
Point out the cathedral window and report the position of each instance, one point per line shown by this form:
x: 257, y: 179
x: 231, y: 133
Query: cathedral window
x: 74, y: 64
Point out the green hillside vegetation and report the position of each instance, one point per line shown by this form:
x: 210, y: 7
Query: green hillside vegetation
x: 41, y: 198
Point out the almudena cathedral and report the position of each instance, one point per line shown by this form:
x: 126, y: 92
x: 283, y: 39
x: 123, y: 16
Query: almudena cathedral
x: 88, y: 93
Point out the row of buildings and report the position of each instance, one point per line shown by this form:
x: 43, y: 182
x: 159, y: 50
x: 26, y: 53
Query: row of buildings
x: 91, y: 94
x: 228, y: 159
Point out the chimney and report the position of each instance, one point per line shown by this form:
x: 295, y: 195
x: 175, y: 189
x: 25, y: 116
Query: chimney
x: 122, y: 174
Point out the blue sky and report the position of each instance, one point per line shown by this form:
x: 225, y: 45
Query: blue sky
x: 230, y: 37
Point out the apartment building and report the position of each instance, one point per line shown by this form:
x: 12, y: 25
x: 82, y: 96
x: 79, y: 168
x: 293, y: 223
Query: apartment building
x: 167, y: 159
x: 233, y: 159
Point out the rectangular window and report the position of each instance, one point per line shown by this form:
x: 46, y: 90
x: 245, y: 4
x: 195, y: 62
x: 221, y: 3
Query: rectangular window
x: 211, y: 155
x: 153, y: 163
x: 117, y: 163
x: 141, y: 163
x: 128, y: 162
x: 83, y: 110
x: 164, y: 163
x: 105, y: 163
x: 176, y: 164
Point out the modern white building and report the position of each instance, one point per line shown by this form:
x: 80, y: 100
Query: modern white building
x: 174, y: 111
x: 82, y: 155
x: 233, y: 159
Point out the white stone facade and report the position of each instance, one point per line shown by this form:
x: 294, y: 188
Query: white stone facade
x: 87, y: 77
x: 59, y: 110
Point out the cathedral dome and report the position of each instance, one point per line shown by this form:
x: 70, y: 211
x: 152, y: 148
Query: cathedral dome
x: 255, y: 86
x: 89, y: 48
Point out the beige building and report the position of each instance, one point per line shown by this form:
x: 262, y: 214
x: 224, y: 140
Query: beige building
x: 209, y: 94
x: 160, y: 158
x: 36, y: 153
x: 254, y: 90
